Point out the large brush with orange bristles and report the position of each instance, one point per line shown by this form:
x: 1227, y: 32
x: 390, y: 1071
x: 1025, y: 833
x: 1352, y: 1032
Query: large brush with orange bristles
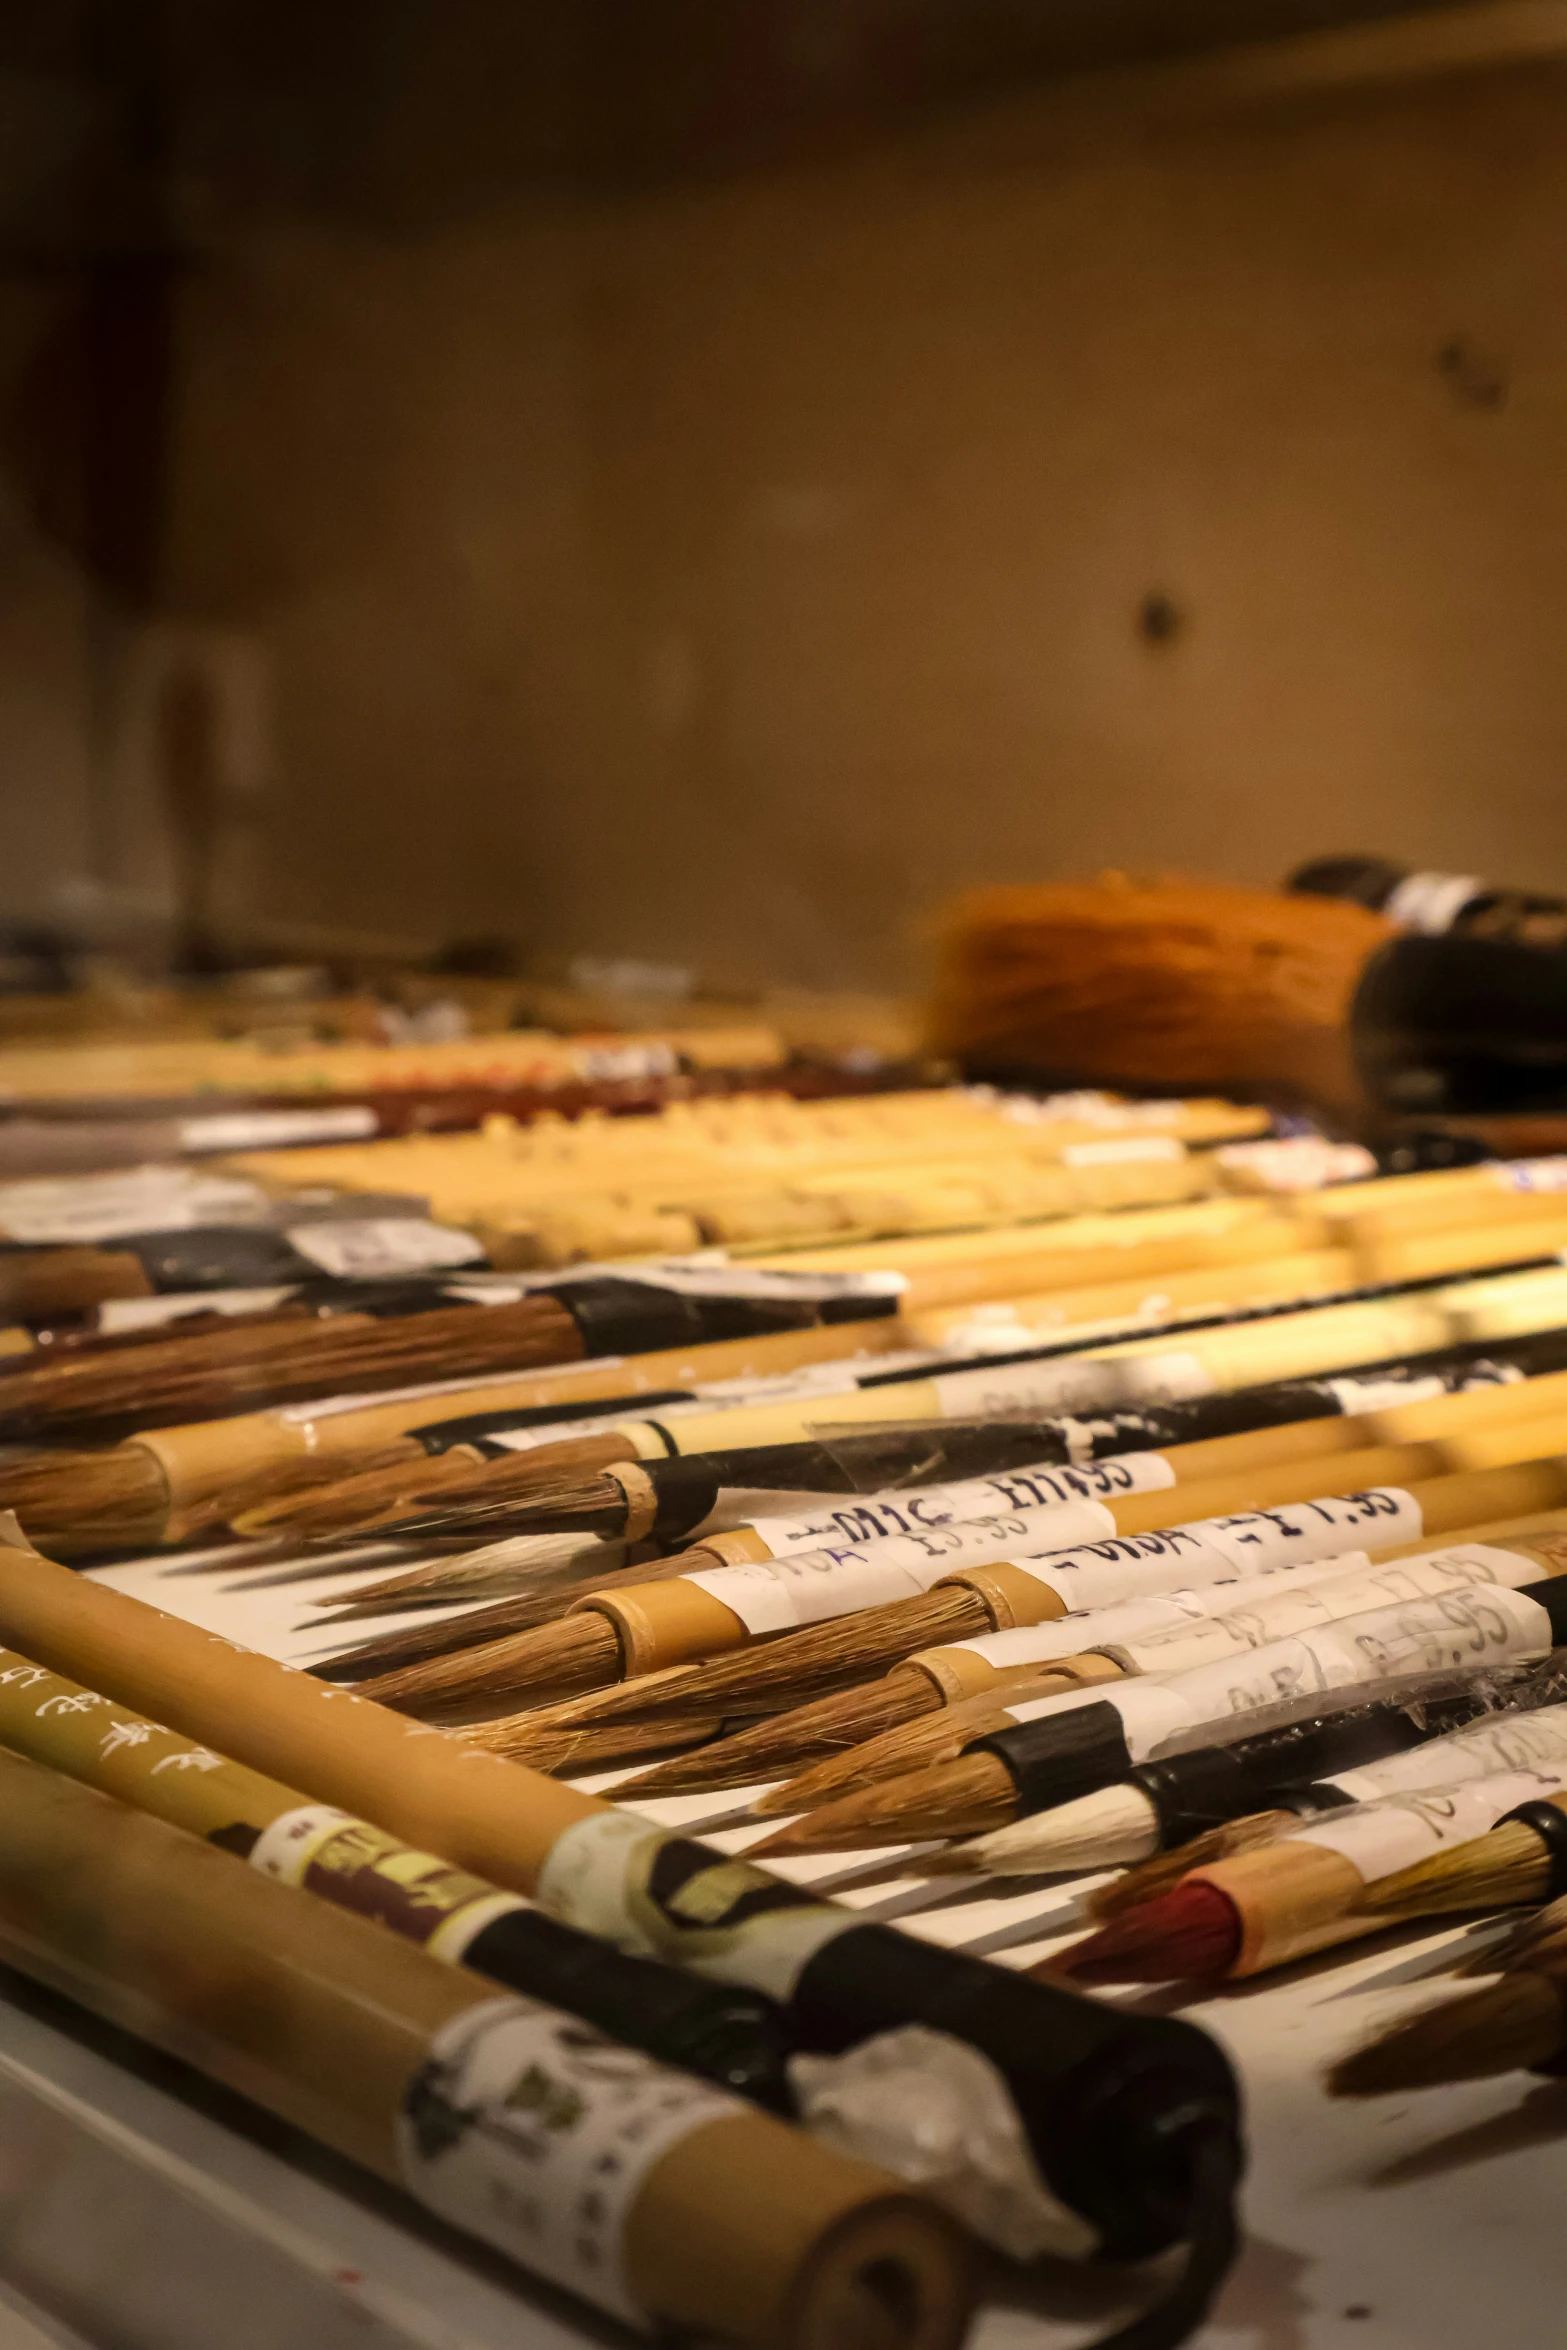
x: 1163, y: 983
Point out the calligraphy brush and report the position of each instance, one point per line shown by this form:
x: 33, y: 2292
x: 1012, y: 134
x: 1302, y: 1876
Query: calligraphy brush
x: 970, y: 1694
x: 1230, y: 1352
x: 876, y: 1728
x: 1046, y: 1751
x: 914, y: 1744
x: 1516, y: 2023
x: 1072, y: 1378
x: 192, y: 1378
x: 968, y: 1599
x: 184, y: 1477
x: 1208, y: 1802
x: 1520, y: 1862
x: 1319, y: 1885
x: 1071, y: 2070
x: 375, y: 2049
x: 674, y: 1618
x: 686, y: 1490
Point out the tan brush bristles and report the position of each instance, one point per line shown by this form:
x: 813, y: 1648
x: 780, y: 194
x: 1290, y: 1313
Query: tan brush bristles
x: 793, y: 1666
x: 907, y: 1746
x: 876, y: 1710
x: 472, y: 1634
x: 479, y: 1575
x: 355, y: 1501
x: 193, y: 1377
x: 1152, y: 1877
x: 421, y: 1484
x: 1539, y: 1940
x: 562, y: 1749
x: 964, y: 1798
x: 1508, y: 2027
x: 576, y: 1653
x: 117, y: 1496
x: 1503, y: 1869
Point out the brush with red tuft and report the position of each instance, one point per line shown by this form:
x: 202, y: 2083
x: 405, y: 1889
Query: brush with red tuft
x: 1190, y: 1934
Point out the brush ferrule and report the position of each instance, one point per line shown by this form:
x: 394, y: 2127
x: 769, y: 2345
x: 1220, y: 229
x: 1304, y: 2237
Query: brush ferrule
x: 1061, y: 1756
x: 641, y: 1499
x: 1546, y: 1821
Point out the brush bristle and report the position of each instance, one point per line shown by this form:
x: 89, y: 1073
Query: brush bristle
x: 819, y: 1659
x: 177, y: 1379
x: 1504, y: 2028
x: 766, y: 1748
x: 555, y: 1749
x: 498, y: 1495
x: 1150, y: 1878
x: 72, y: 1502
x: 556, y: 1660
x: 1502, y: 1870
x: 1191, y: 1934
x: 1538, y: 1940
x: 503, y: 1570
x: 966, y: 1798
x: 906, y: 1745
x: 344, y: 1504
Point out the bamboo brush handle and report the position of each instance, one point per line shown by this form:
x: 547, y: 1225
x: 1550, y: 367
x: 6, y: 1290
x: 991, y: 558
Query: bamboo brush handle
x: 665, y: 1624
x: 1298, y: 1346
x: 206, y: 1458
x: 1271, y: 1487
x: 1416, y: 1255
x: 1220, y: 1288
x: 745, y: 2228
x: 495, y: 1818
x: 934, y: 1286
x: 1440, y: 1416
x: 1195, y: 1222
x: 1465, y: 1500
x: 1453, y: 1195
x: 1434, y: 1420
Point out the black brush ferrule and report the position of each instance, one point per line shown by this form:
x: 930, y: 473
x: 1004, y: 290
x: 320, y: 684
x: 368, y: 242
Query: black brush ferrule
x: 1060, y: 1756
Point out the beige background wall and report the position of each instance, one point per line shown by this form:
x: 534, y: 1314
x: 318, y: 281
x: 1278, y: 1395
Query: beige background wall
x: 728, y: 574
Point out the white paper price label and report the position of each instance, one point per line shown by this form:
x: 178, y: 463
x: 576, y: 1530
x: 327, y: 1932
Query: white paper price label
x: 1501, y: 1742
x: 1402, y: 1829
x: 808, y: 1586
x: 869, y: 1517
x: 382, y: 1246
x: 531, y: 2131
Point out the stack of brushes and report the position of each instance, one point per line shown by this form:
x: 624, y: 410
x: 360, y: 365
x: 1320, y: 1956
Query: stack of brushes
x: 179, y: 1068
x: 766, y: 1172
x: 1219, y: 1542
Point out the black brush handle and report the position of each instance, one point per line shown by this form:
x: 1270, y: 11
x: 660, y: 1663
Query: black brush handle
x: 725, y: 2032
x: 1111, y: 2102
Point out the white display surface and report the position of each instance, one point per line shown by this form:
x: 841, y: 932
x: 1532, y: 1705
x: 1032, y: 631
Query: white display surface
x: 1417, y: 2222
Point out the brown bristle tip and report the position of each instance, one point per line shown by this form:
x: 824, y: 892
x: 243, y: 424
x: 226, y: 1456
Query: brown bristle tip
x: 1507, y: 2027
x: 959, y: 1860
x: 1191, y: 1933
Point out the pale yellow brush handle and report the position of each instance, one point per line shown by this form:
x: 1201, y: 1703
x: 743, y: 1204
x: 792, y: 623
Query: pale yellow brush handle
x: 1218, y: 1288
